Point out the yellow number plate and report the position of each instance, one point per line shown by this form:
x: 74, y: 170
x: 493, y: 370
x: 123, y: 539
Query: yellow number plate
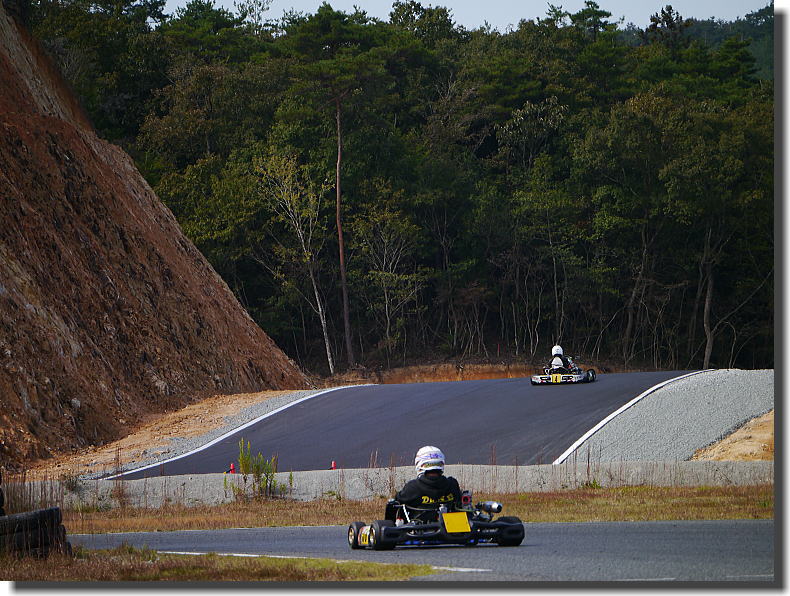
x: 456, y: 522
x: 556, y: 378
x: 364, y: 535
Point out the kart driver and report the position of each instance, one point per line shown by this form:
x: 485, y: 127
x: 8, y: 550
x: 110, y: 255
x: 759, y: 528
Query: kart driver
x: 559, y: 360
x: 431, y: 487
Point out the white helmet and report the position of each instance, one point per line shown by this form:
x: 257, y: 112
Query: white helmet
x: 556, y: 351
x: 428, y: 458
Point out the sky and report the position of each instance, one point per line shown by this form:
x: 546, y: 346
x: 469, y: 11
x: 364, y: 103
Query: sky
x: 502, y: 13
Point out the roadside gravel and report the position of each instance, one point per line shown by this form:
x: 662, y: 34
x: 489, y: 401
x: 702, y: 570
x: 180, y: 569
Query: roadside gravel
x: 671, y: 423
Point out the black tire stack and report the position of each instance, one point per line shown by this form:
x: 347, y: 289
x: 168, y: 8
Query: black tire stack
x: 37, y: 533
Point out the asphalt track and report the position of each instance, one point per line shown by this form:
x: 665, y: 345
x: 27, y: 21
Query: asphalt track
x: 726, y: 551
x: 499, y: 421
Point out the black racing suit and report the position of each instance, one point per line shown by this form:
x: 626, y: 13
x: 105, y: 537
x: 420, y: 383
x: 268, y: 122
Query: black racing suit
x: 430, y: 491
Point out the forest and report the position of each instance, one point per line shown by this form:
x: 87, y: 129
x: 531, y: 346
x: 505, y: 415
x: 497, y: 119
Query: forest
x: 379, y: 193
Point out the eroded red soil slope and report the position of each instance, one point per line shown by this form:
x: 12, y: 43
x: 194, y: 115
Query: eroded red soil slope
x: 107, y: 311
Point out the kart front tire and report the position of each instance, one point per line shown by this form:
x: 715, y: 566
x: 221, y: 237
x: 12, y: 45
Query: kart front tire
x: 589, y: 376
x: 377, y: 540
x: 353, y: 534
x: 514, y: 540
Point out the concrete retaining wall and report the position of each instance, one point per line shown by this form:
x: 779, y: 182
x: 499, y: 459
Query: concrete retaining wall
x: 358, y: 484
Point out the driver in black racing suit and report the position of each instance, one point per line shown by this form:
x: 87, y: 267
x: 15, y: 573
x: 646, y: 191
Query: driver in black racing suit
x: 431, y: 488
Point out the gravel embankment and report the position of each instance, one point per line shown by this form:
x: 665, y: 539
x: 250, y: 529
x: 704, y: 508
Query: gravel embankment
x: 676, y: 420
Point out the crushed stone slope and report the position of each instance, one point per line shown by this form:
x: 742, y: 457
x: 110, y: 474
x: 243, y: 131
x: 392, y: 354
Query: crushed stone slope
x: 107, y: 311
x: 677, y: 420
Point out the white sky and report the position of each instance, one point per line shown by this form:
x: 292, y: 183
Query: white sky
x: 501, y: 13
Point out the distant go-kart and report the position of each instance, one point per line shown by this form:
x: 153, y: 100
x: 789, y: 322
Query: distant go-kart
x: 562, y: 375
x: 416, y: 526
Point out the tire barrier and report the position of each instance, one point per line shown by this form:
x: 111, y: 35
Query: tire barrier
x: 37, y: 533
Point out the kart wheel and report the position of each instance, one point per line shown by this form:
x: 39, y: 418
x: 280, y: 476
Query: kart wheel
x: 590, y: 376
x: 353, y: 534
x: 515, y: 538
x: 377, y: 540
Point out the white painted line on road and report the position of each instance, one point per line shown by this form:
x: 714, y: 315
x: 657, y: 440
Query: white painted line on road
x: 461, y: 569
x: 191, y: 554
x: 768, y: 576
x: 248, y: 555
x: 611, y: 416
x: 204, y: 529
x: 237, y: 429
x: 647, y: 579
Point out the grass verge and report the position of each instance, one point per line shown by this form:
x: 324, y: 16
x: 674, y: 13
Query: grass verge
x: 126, y: 563
x: 640, y: 503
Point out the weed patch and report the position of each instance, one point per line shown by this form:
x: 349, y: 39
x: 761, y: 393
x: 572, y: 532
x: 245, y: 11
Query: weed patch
x: 126, y: 563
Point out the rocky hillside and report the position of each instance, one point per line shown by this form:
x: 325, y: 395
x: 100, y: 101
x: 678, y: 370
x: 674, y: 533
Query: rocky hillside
x: 107, y: 311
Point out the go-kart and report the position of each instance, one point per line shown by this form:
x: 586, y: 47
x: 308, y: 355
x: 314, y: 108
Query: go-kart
x: 560, y: 375
x: 417, y: 526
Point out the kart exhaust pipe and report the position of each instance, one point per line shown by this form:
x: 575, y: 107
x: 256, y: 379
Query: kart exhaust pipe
x: 490, y: 506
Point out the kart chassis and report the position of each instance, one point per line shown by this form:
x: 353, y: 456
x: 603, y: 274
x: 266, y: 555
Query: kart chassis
x: 404, y: 528
x: 560, y: 376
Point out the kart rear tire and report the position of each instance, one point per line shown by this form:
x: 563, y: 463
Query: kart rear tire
x: 513, y: 540
x: 353, y: 534
x: 377, y: 540
x: 589, y: 376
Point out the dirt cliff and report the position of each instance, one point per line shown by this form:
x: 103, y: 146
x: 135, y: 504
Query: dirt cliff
x: 107, y: 311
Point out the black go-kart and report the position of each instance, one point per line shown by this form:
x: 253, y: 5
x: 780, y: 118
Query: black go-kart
x: 562, y: 375
x: 417, y: 526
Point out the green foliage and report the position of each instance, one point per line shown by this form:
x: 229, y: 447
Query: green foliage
x: 567, y: 180
x: 262, y: 470
x: 109, y: 53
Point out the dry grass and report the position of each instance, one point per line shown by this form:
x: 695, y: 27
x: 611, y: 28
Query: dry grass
x: 643, y: 503
x: 251, y: 514
x: 131, y: 564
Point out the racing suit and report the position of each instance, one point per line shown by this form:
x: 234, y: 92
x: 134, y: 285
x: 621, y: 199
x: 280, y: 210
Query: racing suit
x: 561, y: 362
x: 429, y: 491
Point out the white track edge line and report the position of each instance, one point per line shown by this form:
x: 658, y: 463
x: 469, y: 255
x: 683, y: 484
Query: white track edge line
x: 622, y: 409
x: 235, y: 430
x: 267, y: 556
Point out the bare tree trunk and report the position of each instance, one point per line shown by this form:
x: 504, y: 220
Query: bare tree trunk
x: 629, y: 327
x: 558, y: 310
x: 322, y: 316
x: 706, y: 316
x: 341, y: 249
x: 709, y: 331
x: 692, y: 328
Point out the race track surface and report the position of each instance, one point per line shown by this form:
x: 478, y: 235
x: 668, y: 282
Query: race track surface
x: 729, y: 551
x: 499, y: 421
